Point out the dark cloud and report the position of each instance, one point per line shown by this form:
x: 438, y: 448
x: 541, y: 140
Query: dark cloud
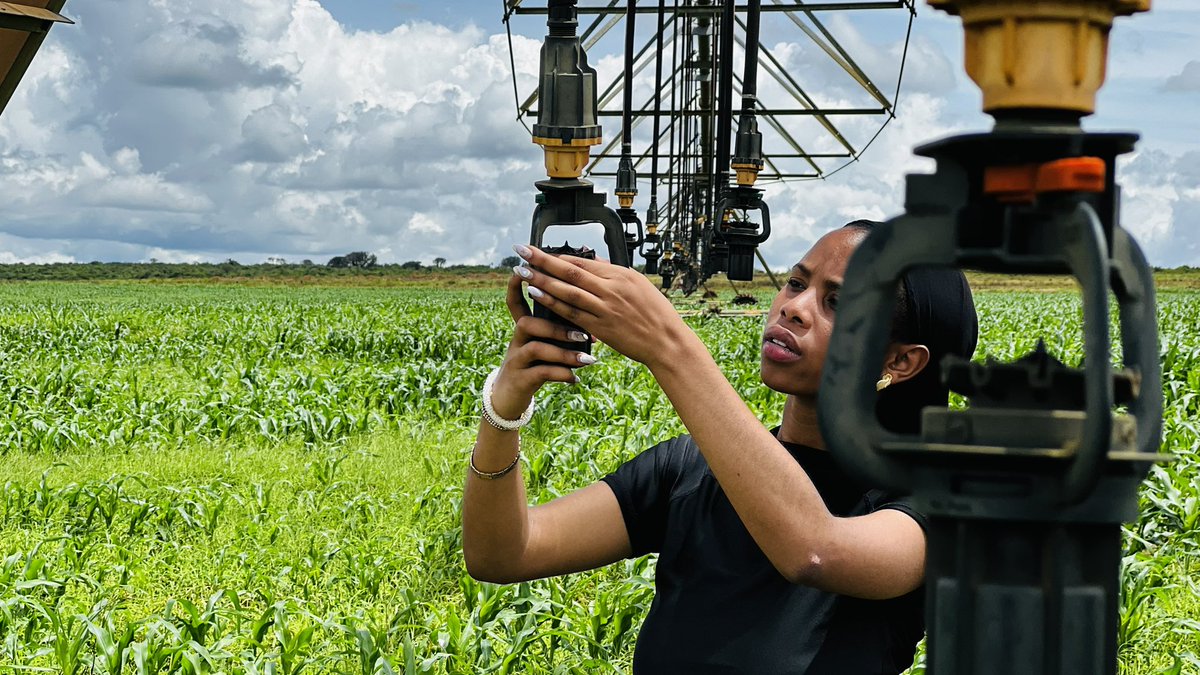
x: 270, y: 136
x: 1188, y: 79
x: 205, y: 57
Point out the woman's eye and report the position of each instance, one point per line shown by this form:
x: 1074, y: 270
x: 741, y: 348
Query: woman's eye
x: 833, y: 301
x: 795, y: 284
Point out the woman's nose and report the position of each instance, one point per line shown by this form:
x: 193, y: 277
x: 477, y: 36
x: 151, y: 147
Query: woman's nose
x: 798, y: 308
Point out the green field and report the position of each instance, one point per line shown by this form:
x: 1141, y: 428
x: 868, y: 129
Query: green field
x: 266, y: 479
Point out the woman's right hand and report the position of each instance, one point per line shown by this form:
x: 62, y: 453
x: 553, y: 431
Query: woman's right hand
x: 519, y: 377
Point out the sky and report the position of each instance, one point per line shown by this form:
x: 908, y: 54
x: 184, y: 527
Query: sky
x: 184, y: 130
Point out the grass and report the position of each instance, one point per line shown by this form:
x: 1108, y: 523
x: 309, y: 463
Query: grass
x: 225, y: 478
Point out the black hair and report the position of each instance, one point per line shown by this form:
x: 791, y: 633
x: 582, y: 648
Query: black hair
x: 934, y: 307
x: 900, y: 319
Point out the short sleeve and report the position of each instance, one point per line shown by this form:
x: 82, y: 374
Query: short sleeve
x: 644, y: 486
x: 901, y: 504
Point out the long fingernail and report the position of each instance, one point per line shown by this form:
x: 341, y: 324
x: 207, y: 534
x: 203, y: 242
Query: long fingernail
x: 522, y: 250
x: 535, y: 292
x: 577, y: 336
x: 523, y: 272
x: 586, y: 359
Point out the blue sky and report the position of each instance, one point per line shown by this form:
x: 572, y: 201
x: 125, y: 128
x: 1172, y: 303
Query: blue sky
x: 302, y: 129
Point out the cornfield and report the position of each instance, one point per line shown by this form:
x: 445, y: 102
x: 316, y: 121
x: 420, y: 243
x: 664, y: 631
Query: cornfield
x: 232, y: 479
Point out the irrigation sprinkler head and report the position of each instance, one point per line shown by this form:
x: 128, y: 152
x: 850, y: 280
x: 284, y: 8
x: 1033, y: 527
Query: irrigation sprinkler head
x: 626, y: 182
x: 566, y: 127
x: 1025, y: 489
x: 23, y: 26
x: 737, y: 238
x: 652, y: 250
x: 1038, y: 59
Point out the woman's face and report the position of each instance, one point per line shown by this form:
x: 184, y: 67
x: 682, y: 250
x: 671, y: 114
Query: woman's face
x: 800, y: 321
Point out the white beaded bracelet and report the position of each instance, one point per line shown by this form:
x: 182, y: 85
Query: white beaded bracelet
x: 489, y: 413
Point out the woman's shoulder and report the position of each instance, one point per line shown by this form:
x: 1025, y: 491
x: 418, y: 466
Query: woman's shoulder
x: 678, y: 463
x: 877, y: 500
x: 679, y: 454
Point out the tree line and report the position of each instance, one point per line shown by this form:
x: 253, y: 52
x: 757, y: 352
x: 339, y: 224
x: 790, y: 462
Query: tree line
x: 357, y: 263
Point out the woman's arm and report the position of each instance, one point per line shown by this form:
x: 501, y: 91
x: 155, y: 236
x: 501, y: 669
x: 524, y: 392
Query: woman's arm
x: 879, y: 555
x: 504, y: 540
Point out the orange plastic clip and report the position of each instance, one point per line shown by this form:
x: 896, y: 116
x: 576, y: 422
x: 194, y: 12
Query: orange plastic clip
x: 1020, y: 184
x: 1073, y: 174
x: 1011, y: 184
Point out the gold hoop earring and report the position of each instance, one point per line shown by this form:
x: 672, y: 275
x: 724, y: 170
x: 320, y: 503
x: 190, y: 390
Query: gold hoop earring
x: 883, y: 382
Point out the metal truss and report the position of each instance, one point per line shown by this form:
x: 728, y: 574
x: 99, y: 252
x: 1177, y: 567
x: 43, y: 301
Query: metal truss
x: 680, y: 55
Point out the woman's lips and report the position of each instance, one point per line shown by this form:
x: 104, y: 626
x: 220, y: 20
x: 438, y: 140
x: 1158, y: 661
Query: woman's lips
x: 775, y: 350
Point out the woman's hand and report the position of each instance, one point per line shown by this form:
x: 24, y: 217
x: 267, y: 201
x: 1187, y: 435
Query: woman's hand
x: 616, y: 304
x: 530, y: 363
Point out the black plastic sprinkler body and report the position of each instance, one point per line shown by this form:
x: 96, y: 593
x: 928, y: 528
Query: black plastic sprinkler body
x: 1025, y: 491
x: 667, y: 269
x: 738, y: 238
x: 567, y: 129
x: 651, y: 251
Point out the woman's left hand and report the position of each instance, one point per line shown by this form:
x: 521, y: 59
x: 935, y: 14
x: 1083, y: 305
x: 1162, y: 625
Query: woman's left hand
x: 617, y: 305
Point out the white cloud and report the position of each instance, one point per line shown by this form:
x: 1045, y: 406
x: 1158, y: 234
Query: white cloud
x: 189, y: 130
x: 421, y: 223
x: 1160, y: 205
x: 41, y: 258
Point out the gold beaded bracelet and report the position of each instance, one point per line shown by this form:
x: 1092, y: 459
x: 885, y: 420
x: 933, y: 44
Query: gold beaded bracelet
x: 493, y: 475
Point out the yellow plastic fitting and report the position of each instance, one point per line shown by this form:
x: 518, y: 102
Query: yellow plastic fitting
x: 566, y: 160
x: 1046, y: 54
x: 747, y: 174
x: 625, y: 199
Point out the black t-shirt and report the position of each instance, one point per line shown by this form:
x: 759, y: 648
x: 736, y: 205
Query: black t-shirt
x: 720, y: 605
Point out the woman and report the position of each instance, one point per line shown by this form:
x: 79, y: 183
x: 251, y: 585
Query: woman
x: 771, y: 559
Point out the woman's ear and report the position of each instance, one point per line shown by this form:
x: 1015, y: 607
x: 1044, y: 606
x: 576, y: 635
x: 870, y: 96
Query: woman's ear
x: 904, y: 361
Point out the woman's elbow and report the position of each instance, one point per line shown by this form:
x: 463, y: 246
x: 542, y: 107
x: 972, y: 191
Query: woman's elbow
x: 489, y: 569
x: 816, y: 572
x: 480, y: 566
x: 804, y: 570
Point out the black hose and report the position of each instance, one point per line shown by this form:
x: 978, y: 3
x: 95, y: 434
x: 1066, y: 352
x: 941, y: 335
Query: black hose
x: 627, y: 111
x: 750, y: 75
x: 724, y: 105
x: 658, y: 59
